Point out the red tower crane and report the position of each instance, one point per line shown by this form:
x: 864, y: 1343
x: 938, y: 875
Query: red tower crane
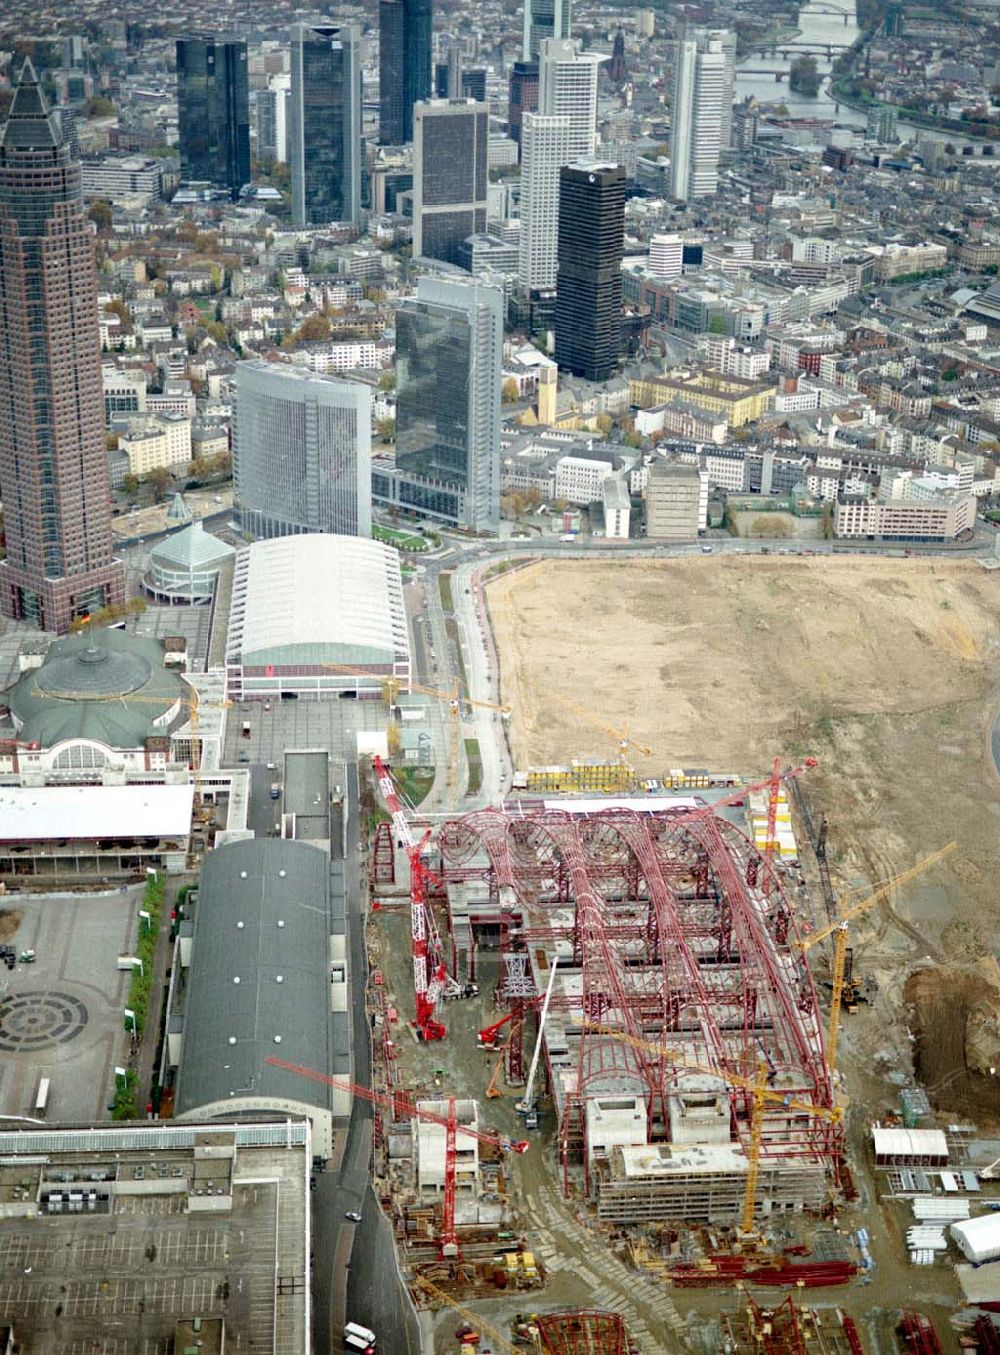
x: 403, y: 1106
x: 431, y: 979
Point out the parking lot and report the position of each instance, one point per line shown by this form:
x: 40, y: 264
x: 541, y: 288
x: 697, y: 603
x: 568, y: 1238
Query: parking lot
x: 61, y: 1016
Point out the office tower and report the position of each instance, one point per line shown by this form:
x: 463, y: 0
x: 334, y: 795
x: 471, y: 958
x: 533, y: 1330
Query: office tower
x: 474, y: 84
x: 417, y: 36
x: 53, y: 462
x: 449, y: 343
x: 567, y: 87
x: 544, y: 150
x: 68, y: 127
x: 450, y: 175
x: 696, y: 138
x: 213, y: 111
x: 301, y: 452
x: 523, y: 95
x: 727, y: 41
x: 618, y: 70
x: 326, y: 124
x: 545, y: 19
x: 666, y: 256
x: 391, y: 60
x: 270, y: 108
x: 589, y: 283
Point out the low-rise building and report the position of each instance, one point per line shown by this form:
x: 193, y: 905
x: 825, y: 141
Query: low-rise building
x: 739, y: 400
x: 899, y: 261
x: 942, y: 518
x: 127, y: 180
x: 676, y: 500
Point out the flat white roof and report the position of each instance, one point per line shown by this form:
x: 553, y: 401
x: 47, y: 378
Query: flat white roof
x: 910, y: 1143
x: 47, y: 812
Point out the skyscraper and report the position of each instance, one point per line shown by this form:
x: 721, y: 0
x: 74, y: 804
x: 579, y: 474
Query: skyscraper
x: 53, y: 463
x: 544, y: 151
x: 567, y: 87
x: 589, y: 282
x: 545, y: 19
x: 326, y: 124
x: 301, y: 452
x: 449, y: 343
x: 417, y: 35
x: 391, y: 62
x: 523, y: 96
x: 450, y: 175
x: 696, y: 137
x: 213, y: 111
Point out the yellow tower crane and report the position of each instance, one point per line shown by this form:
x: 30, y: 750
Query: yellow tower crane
x: 480, y: 1324
x: 621, y: 737
x: 761, y: 1095
x: 840, y: 927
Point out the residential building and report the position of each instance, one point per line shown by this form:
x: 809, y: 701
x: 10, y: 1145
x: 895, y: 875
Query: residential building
x: 675, y: 498
x: 617, y: 507
x: 740, y: 401
x: 213, y: 111
x: 326, y: 124
x: 579, y: 479
x: 449, y: 343
x: 700, y: 93
x: 301, y: 452
x: 450, y: 176
x: 544, y: 19
x: 939, y: 518
x: 162, y: 441
x: 544, y: 151
x: 589, y: 280
x: 567, y: 88
x: 53, y: 460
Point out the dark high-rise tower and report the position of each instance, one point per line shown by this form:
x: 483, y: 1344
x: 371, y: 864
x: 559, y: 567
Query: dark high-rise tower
x: 391, y: 63
x: 450, y: 176
x: 53, y: 462
x: 417, y: 32
x: 213, y: 111
x: 589, y: 281
x: 618, y: 70
x: 325, y: 121
x: 523, y: 96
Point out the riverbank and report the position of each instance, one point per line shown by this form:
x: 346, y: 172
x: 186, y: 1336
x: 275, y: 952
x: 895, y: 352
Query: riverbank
x: 945, y: 127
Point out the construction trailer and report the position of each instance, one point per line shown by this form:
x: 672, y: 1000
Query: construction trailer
x: 680, y: 981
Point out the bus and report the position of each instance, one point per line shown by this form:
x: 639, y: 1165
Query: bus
x: 42, y: 1099
x: 360, y: 1338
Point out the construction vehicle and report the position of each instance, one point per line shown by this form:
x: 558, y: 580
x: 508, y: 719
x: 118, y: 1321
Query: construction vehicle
x: 839, y: 928
x: 431, y: 980
x: 402, y: 1106
x: 488, y: 1037
x: 761, y: 1095
x: 528, y: 1106
x: 492, y: 1087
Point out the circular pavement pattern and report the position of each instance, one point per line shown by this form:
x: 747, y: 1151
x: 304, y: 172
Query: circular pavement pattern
x: 33, y: 1021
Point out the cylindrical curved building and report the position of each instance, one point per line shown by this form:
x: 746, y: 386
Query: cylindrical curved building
x: 301, y: 452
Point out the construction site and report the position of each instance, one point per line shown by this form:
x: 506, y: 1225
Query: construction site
x: 611, y: 1021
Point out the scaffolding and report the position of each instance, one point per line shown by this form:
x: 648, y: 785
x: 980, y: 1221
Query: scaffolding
x: 671, y: 928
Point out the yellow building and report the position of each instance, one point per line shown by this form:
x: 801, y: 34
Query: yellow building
x: 735, y: 398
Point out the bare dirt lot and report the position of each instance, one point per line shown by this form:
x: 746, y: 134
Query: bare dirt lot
x: 886, y: 670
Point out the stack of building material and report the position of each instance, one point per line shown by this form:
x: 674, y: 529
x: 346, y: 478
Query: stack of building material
x: 784, y: 838
x: 923, y: 1242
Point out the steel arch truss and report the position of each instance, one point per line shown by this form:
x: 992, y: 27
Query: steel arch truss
x: 683, y: 936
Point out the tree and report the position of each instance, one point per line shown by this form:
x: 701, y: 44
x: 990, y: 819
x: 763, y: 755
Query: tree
x: 217, y: 331
x: 605, y: 423
x: 312, y: 328
x: 100, y: 214
x: 386, y: 429
x: 159, y: 479
x: 509, y: 391
x: 130, y: 485
x: 99, y: 107
x: 717, y: 324
x: 386, y: 381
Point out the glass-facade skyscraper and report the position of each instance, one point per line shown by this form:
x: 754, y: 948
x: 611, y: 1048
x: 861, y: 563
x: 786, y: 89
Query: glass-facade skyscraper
x: 301, y: 452
x: 391, y: 63
x: 589, y: 280
x: 326, y: 124
x: 449, y: 342
x: 53, y: 462
x: 418, y: 22
x: 450, y: 176
x: 213, y: 111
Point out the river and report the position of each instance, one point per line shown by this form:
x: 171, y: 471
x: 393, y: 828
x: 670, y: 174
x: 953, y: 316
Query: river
x: 819, y: 22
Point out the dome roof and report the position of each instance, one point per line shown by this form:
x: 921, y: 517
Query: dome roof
x: 93, y: 672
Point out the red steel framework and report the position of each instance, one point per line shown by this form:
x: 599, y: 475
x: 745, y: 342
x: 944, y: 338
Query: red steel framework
x: 580, y: 1332
x: 710, y: 942
x: 917, y: 1335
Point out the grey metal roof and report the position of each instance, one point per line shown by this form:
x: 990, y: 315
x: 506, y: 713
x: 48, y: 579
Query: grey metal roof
x: 259, y: 970
x: 192, y: 548
x: 108, y: 685
x: 30, y: 126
